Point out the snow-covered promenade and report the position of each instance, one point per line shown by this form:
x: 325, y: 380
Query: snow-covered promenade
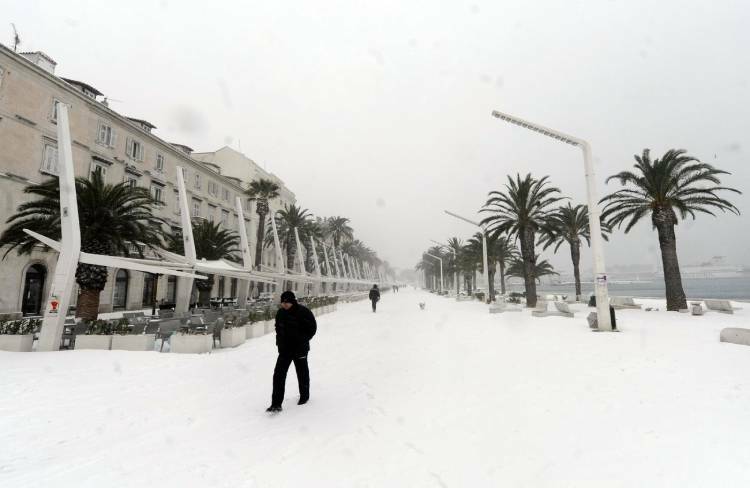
x: 450, y: 396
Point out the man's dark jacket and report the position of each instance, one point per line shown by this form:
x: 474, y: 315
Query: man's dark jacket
x: 294, y: 329
x: 374, y: 295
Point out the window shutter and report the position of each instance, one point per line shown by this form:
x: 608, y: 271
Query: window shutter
x: 129, y: 147
x: 141, y: 152
x: 113, y: 139
x: 100, y: 135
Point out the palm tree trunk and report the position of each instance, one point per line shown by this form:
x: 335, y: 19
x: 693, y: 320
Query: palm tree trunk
x: 491, y: 280
x: 502, y: 277
x: 290, y: 260
x: 672, y: 279
x: 527, y: 253
x: 259, y: 243
x: 87, y: 306
x: 575, y: 255
x: 259, y: 247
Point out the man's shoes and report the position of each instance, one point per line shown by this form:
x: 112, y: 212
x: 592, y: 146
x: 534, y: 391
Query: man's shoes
x: 274, y: 409
x: 303, y: 400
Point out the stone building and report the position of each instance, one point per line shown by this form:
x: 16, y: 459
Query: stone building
x: 123, y: 149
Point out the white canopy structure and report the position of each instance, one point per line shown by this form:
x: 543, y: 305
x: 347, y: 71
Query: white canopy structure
x: 186, y: 267
x: 69, y: 247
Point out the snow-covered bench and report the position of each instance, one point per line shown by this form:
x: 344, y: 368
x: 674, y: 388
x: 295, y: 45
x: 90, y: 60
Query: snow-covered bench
x: 561, y: 310
x: 564, y: 309
x: 735, y: 335
x: 623, y: 302
x: 501, y: 307
x: 721, y: 306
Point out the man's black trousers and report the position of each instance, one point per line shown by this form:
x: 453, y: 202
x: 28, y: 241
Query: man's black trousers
x: 279, y: 376
x: 374, y: 305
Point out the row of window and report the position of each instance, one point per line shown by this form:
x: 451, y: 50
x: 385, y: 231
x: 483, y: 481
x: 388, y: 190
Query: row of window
x: 50, y: 166
x: 213, y: 187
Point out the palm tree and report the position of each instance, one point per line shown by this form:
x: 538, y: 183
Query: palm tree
x: 289, y: 218
x: 316, y: 230
x: 476, y: 244
x: 456, y: 246
x: 261, y: 191
x: 517, y: 267
x: 112, y: 219
x: 212, y: 242
x: 504, y: 251
x: 470, y: 260
x: 521, y: 211
x: 570, y: 224
x: 338, y: 229
x: 675, y: 184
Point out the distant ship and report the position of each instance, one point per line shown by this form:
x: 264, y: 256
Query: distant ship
x: 716, y: 267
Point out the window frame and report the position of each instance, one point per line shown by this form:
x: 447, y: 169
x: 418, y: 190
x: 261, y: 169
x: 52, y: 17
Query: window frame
x: 52, y: 145
x: 160, y: 158
x: 110, y: 143
x: 98, y: 166
x: 157, y: 193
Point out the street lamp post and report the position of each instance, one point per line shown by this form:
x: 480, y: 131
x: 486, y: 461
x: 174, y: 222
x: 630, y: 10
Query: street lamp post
x: 484, y: 252
x: 455, y: 260
x: 442, y: 283
x: 597, y: 246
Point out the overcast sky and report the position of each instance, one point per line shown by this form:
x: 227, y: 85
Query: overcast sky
x: 380, y: 111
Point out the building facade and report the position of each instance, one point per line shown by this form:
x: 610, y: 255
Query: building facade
x: 122, y: 149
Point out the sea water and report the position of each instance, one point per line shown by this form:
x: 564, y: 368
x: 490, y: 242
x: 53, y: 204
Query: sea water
x: 726, y: 288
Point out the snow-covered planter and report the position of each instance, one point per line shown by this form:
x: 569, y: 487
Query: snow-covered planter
x: 270, y: 326
x: 16, y: 342
x: 17, y: 335
x: 257, y: 329
x: 137, y: 342
x: 232, y: 337
x: 191, y: 343
x: 248, y: 331
x: 98, y: 335
x: 94, y: 341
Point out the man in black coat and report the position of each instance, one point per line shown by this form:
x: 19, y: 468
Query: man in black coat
x: 295, y: 326
x: 374, y: 297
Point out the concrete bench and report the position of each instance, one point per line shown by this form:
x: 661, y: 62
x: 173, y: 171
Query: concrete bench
x: 564, y: 310
x: 696, y: 308
x: 502, y: 307
x: 721, y: 306
x: 735, y: 335
x: 623, y: 302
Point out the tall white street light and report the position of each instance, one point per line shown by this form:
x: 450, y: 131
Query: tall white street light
x: 597, y: 246
x: 455, y: 258
x: 442, y: 283
x: 484, y: 252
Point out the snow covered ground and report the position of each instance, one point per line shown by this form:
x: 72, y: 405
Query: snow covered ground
x: 450, y: 396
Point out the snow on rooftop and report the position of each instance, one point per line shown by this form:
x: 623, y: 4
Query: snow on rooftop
x: 450, y: 396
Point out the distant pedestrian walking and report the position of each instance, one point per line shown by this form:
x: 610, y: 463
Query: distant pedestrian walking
x: 295, y: 326
x: 374, y: 297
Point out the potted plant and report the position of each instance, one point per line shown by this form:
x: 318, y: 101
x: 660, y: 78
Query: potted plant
x: 249, y: 325
x: 233, y: 334
x: 17, y: 335
x: 125, y: 340
x: 270, y: 323
x: 98, y: 336
x: 191, y: 341
x: 256, y: 326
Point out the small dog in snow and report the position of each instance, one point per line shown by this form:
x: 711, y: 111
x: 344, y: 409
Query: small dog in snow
x: 421, y: 305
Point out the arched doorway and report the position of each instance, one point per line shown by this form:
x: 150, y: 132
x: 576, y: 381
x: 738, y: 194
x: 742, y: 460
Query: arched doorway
x: 148, y: 290
x: 120, y: 296
x: 33, y: 289
x: 171, y: 289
